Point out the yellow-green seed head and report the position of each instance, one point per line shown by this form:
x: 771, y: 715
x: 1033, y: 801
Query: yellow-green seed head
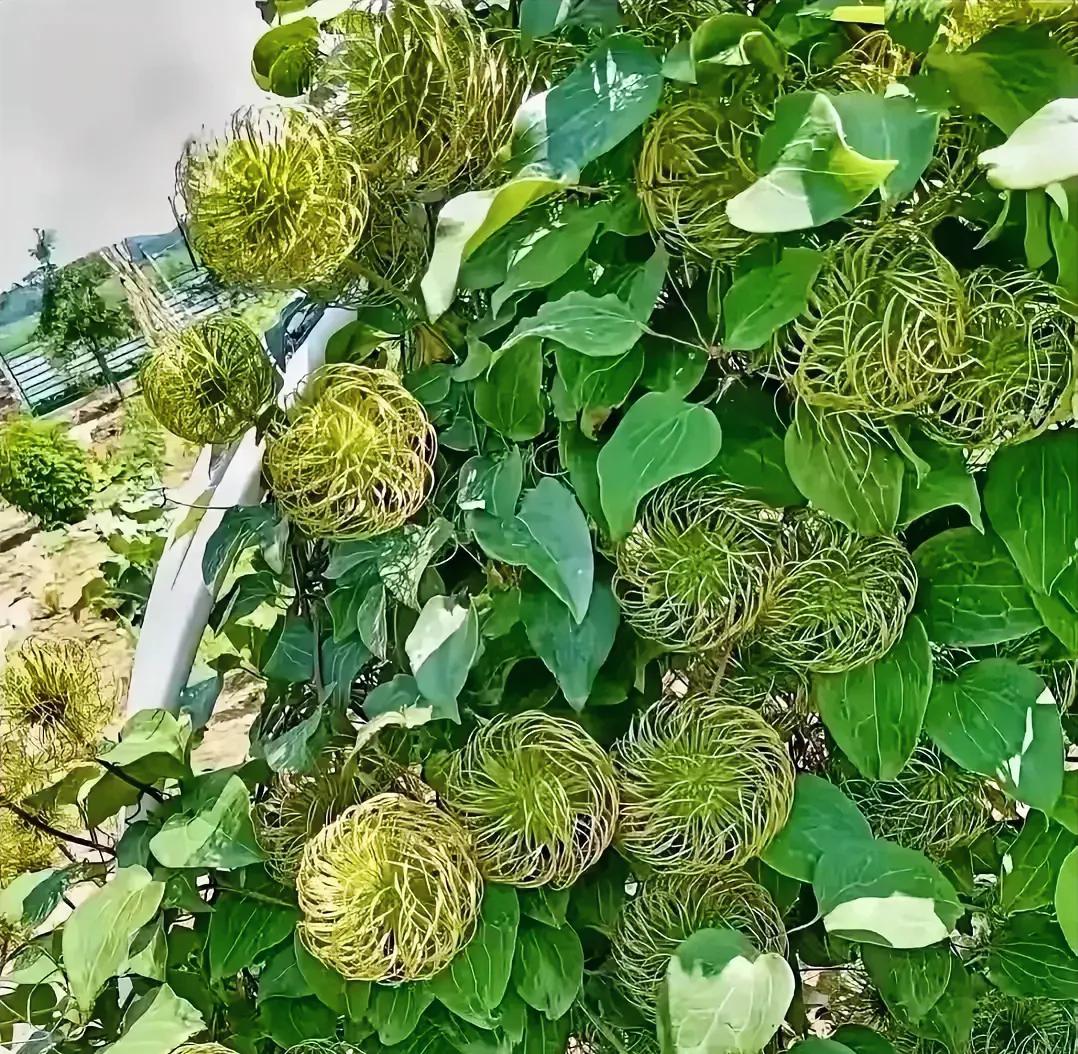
x: 693, y: 160
x: 278, y: 203
x: 702, y: 784
x: 538, y: 795
x: 1006, y: 1025
x: 667, y: 909
x: 883, y: 333
x: 840, y: 600
x: 1019, y: 344
x: 389, y: 891
x: 23, y: 847
x: 354, y: 459
x: 53, y: 708
x: 696, y: 566
x: 208, y: 383
x: 932, y: 805
x: 425, y: 94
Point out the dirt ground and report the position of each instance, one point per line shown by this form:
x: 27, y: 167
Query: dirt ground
x: 42, y: 574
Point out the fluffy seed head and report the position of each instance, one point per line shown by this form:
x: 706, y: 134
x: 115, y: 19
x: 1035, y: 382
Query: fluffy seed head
x: 208, y: 382
x: 354, y: 458
x: 840, y: 600
x: 539, y: 797
x: 53, y: 707
x: 280, y: 202
x: 702, y: 783
x: 883, y: 332
x: 22, y: 846
x: 696, y: 566
x: 1006, y: 1025
x: 425, y: 94
x: 1020, y: 343
x: 667, y: 909
x: 932, y: 805
x: 389, y: 891
x: 693, y: 160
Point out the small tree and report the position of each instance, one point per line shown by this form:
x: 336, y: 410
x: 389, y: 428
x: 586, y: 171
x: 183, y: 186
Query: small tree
x: 74, y: 315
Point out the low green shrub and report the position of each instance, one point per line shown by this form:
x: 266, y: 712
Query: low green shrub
x: 43, y: 471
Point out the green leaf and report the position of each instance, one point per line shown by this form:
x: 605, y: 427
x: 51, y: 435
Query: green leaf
x: 722, y: 46
x: 1066, y: 808
x: 593, y: 325
x: 242, y: 929
x: 766, y: 298
x: 1031, y: 497
x: 282, y: 977
x: 875, y: 711
x: 876, y: 892
x: 970, y: 592
x: 441, y: 649
x: 915, y: 23
x: 407, y: 554
x: 890, y: 126
x: 292, y: 659
x: 543, y: 1036
x: 303, y: 34
x: 821, y: 817
x: 579, y: 456
x: 157, y: 1023
x: 1066, y: 899
x: 863, y: 1040
x: 1008, y: 75
x: 98, y: 934
x: 153, y: 745
x: 212, y: 828
x: 30, y: 898
x: 509, y: 398
x: 546, y: 905
x: 371, y: 621
x: 548, y: 253
x: 549, y: 536
x: 491, y: 484
x: 341, y: 661
x: 659, y: 438
x: 240, y: 527
x: 815, y: 179
x: 1041, y: 151
x: 474, y: 983
x: 1032, y: 863
x: 290, y: 1022
x: 844, y: 471
x: 573, y: 652
x: 999, y: 719
x: 911, y: 981
x: 296, y: 749
x: 1029, y: 958
x: 721, y: 995
x: 465, y: 222
x: 548, y: 968
x: 396, y: 1011
x: 607, y: 97
x: 947, y: 482
x: 401, y: 696
x: 347, y: 998
x: 950, y: 1021
x: 596, y: 386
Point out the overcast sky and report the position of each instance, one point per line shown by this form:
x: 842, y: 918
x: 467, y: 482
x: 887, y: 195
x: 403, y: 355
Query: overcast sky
x: 96, y: 100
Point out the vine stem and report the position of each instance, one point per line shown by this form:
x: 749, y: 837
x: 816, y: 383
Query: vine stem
x: 40, y: 824
x: 144, y: 788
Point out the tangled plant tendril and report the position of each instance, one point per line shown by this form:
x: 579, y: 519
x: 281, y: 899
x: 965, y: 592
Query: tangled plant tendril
x: 702, y: 783
x: 208, y: 382
x: 389, y: 891
x: 840, y: 599
x: 1020, y: 343
x: 694, y: 570
x: 278, y: 203
x: 667, y: 909
x: 539, y: 797
x: 883, y: 333
x: 425, y: 94
x: 53, y: 707
x: 932, y: 805
x: 354, y: 458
